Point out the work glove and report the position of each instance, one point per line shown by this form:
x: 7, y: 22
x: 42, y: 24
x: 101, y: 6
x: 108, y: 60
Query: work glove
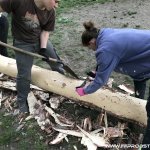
x: 43, y: 53
x: 80, y: 91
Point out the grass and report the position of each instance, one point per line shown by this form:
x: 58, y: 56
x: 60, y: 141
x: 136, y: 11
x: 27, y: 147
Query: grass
x: 67, y: 4
x: 27, y: 138
x: 6, y: 130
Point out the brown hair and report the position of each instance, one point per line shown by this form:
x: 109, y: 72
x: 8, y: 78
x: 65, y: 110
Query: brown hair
x: 90, y: 32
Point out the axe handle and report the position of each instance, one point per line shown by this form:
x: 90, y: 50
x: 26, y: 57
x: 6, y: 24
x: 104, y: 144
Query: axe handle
x: 67, y: 68
x: 28, y: 53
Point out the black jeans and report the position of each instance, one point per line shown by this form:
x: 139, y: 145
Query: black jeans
x: 146, y: 139
x: 4, y: 25
x: 139, y: 88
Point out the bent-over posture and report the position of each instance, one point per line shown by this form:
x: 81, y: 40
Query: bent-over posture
x: 126, y: 51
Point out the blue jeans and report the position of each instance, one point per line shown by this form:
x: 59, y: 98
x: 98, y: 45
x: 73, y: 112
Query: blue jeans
x: 24, y: 66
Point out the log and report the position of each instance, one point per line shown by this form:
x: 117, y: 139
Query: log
x: 122, y: 105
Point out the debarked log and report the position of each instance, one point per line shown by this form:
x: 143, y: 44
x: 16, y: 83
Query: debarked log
x: 122, y: 105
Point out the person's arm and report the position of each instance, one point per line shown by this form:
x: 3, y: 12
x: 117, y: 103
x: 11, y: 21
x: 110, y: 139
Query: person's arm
x: 106, y: 64
x: 44, y: 38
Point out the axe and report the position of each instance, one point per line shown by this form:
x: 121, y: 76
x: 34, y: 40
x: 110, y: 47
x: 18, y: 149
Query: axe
x: 66, y: 67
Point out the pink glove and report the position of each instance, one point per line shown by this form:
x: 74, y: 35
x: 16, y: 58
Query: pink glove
x: 80, y: 91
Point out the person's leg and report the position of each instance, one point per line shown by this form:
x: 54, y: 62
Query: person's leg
x: 4, y: 25
x: 24, y: 65
x: 139, y: 88
x: 146, y: 139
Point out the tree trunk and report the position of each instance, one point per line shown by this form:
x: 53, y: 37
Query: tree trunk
x: 116, y: 103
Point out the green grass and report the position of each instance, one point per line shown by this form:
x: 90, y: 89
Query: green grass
x: 27, y: 138
x: 67, y: 4
x: 7, y: 131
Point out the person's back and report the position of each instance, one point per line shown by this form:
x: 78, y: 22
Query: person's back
x: 130, y: 46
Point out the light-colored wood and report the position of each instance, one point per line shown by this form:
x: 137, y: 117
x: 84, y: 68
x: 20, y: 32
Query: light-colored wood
x: 117, y: 103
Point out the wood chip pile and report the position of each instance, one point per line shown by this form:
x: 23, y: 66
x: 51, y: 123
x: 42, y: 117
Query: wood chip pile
x: 55, y: 114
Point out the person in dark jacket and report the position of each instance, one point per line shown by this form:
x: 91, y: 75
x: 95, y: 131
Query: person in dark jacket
x: 32, y: 22
x: 126, y: 51
x: 4, y: 25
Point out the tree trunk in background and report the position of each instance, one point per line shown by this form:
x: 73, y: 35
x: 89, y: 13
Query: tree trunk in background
x: 116, y: 103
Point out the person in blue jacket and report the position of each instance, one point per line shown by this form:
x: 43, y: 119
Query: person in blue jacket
x: 126, y: 51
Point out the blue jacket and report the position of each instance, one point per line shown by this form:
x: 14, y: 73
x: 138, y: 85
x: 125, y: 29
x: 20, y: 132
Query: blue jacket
x: 126, y: 51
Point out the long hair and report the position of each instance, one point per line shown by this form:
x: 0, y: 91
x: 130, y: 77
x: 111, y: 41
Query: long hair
x: 90, y: 32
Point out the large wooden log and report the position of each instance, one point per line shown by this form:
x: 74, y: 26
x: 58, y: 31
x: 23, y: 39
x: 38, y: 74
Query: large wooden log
x: 117, y: 103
